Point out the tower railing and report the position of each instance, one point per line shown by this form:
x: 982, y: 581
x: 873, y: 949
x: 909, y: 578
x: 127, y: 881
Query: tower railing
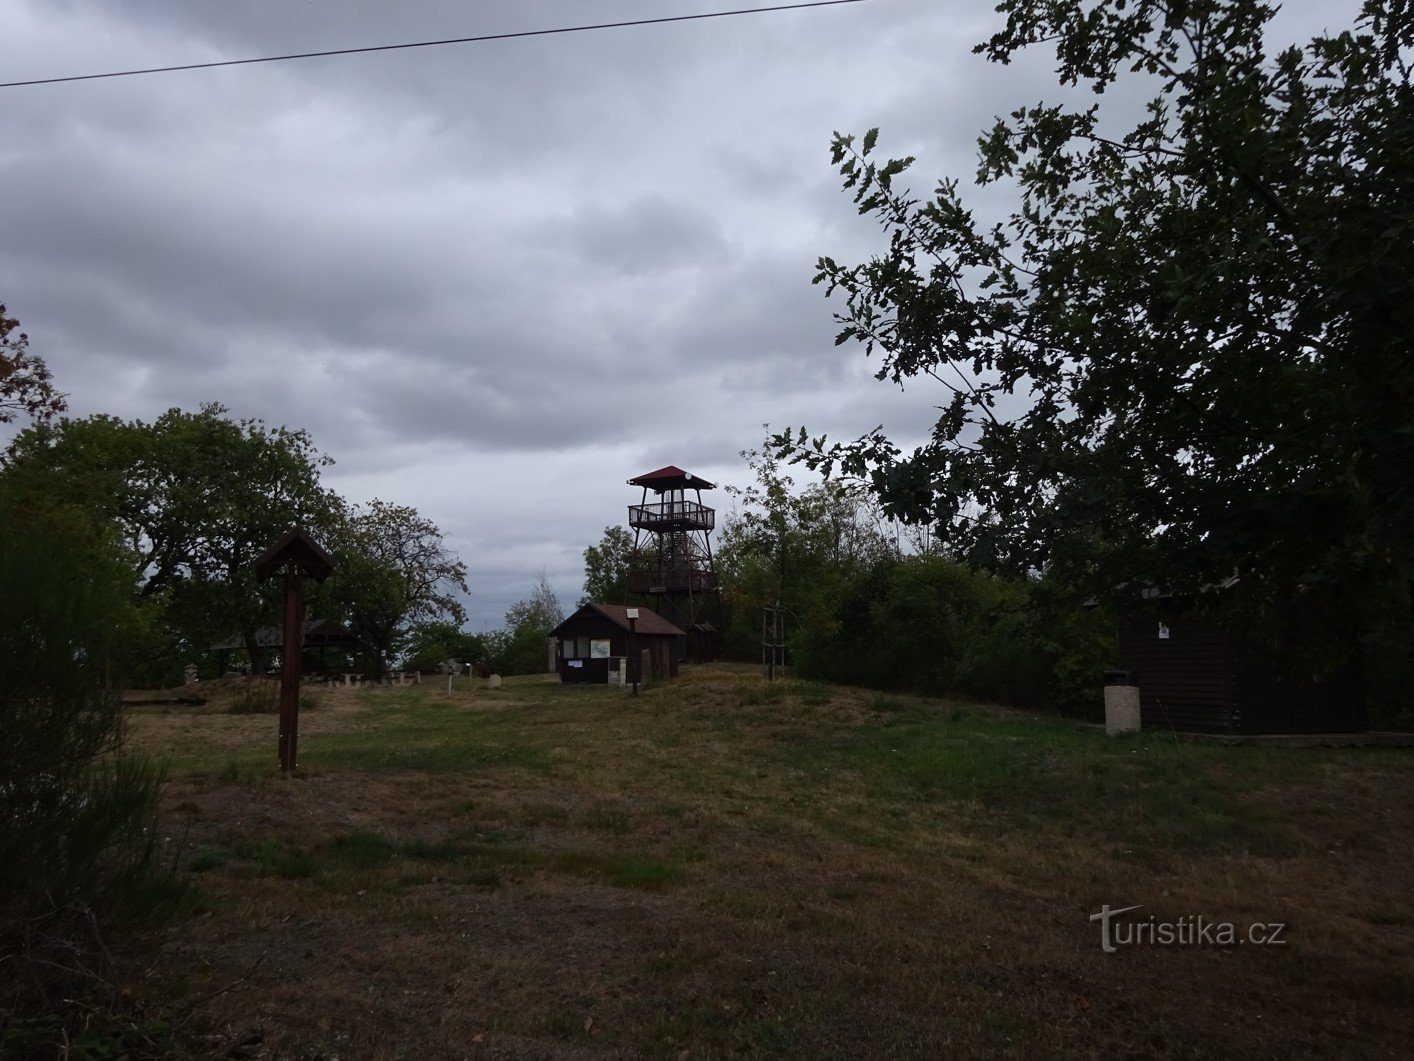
x: 672, y: 515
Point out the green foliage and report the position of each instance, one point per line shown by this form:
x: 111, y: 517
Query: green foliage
x: 1387, y: 663
x: 930, y: 624
x: 78, y: 843
x: 1186, y: 354
x: 64, y: 611
x: 606, y: 568
x: 863, y: 612
x: 801, y: 547
x: 523, y: 650
x: 26, y: 385
x: 523, y: 647
x: 393, y: 571
x: 428, y: 644
x: 196, y: 497
x: 1070, y: 643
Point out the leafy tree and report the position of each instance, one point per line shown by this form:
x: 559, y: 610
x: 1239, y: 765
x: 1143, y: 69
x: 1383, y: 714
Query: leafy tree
x: 430, y: 643
x: 1186, y: 354
x: 196, y: 498
x: 195, y: 494
x: 606, y: 568
x: 798, y: 546
x: 863, y: 611
x: 26, y: 384
x: 497, y: 656
x: 541, y: 610
x: 394, y: 571
x: 926, y: 623
x: 930, y: 623
x: 528, y: 624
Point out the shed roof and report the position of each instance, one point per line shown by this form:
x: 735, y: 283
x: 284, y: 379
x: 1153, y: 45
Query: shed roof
x: 670, y: 477
x: 316, y: 632
x: 649, y: 621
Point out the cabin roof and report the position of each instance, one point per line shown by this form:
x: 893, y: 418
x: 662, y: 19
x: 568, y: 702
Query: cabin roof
x: 649, y: 621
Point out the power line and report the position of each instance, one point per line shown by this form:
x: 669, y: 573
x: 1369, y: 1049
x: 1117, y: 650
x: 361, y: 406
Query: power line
x: 430, y: 44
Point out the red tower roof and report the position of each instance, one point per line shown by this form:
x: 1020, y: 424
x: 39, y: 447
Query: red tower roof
x: 670, y: 478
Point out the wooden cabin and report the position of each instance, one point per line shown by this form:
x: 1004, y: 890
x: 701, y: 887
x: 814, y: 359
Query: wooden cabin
x: 592, y: 643
x: 1195, y: 677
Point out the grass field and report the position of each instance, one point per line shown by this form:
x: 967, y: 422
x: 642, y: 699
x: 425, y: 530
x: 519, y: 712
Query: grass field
x: 721, y: 867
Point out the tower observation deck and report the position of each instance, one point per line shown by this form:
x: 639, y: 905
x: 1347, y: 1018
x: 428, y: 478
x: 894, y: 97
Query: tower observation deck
x: 672, y: 548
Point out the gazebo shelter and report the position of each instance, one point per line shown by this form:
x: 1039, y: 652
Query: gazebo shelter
x: 322, y: 634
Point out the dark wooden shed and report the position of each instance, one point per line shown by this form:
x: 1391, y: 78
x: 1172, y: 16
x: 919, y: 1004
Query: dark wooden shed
x: 1192, y: 676
x: 594, y: 639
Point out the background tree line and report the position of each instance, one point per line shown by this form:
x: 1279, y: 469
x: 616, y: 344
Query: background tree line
x: 521, y: 646
x: 875, y: 603
x: 188, y: 501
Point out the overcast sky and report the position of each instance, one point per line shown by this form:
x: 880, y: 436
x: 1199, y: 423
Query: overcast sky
x: 493, y: 280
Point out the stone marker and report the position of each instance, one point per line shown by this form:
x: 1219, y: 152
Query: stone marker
x: 493, y: 682
x: 1121, y: 702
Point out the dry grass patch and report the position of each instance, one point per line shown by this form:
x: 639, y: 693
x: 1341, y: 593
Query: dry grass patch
x: 722, y: 868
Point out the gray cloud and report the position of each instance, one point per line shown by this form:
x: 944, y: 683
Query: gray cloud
x: 649, y: 236
x: 493, y: 281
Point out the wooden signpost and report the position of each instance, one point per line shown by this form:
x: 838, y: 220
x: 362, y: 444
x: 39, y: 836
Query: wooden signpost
x: 297, y: 555
x: 635, y: 662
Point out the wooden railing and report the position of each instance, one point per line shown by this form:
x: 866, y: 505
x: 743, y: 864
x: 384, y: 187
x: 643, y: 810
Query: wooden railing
x: 677, y: 515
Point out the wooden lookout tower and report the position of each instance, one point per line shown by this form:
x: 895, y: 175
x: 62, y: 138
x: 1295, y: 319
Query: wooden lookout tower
x: 672, y: 552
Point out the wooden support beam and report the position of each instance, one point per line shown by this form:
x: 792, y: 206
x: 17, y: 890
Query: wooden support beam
x: 297, y: 555
x: 290, y: 653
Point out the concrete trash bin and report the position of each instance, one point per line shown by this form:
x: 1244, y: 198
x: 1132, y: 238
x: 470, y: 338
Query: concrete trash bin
x: 1121, y: 702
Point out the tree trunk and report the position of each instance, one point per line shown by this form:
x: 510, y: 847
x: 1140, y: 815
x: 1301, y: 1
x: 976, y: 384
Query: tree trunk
x: 257, y: 665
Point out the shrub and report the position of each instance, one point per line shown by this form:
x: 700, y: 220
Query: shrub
x: 258, y: 696
x: 1386, y: 660
x: 78, y: 846
x: 931, y: 624
x: 1073, y: 644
